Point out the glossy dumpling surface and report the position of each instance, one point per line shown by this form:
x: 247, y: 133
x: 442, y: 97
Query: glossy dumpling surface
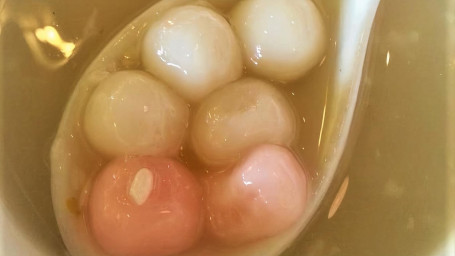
x: 261, y: 196
x: 132, y: 113
x: 193, y: 49
x: 144, y: 206
x: 281, y: 39
x: 239, y: 116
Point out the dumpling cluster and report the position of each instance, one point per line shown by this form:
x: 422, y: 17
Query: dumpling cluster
x: 206, y: 80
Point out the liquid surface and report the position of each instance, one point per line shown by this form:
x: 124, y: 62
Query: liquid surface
x: 404, y: 173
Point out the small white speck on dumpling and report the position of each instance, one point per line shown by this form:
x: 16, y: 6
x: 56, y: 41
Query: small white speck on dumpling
x: 131, y: 113
x: 282, y: 39
x: 193, y: 49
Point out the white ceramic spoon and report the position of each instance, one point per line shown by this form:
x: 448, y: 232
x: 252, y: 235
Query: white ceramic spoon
x: 74, y: 163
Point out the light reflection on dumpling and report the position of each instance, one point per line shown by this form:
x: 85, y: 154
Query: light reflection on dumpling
x: 131, y: 113
x: 282, y: 39
x: 263, y: 195
x: 194, y: 50
x: 143, y: 206
x: 238, y: 116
